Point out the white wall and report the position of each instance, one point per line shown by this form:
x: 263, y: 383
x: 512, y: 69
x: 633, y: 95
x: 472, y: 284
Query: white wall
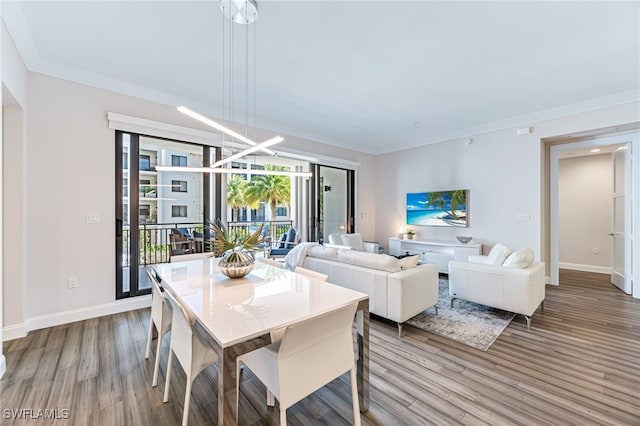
x: 585, y: 194
x: 70, y: 172
x: 504, y: 173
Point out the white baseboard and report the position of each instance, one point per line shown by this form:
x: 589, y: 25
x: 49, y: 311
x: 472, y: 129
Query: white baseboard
x: 585, y: 268
x: 3, y: 365
x: 65, y: 317
x: 11, y: 332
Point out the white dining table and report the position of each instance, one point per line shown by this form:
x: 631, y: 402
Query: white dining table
x: 236, y: 316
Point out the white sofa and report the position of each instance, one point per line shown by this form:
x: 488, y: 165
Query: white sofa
x: 394, y: 293
x: 509, y: 288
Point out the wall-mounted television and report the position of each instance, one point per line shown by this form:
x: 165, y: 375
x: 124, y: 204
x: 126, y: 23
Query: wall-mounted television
x: 443, y: 208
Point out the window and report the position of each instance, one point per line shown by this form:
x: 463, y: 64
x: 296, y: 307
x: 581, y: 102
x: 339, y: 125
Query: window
x: 179, y: 160
x: 145, y: 162
x: 178, y: 186
x: 125, y: 187
x: 125, y: 160
x: 145, y: 213
x: 281, y: 211
x: 178, y: 211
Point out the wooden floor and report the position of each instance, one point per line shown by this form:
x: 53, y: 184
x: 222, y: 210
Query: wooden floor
x: 579, y: 364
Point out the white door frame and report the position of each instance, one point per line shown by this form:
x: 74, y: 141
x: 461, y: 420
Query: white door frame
x: 632, y: 270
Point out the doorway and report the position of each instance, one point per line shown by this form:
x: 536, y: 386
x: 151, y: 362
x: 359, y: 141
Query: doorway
x: 333, y: 197
x: 617, y: 238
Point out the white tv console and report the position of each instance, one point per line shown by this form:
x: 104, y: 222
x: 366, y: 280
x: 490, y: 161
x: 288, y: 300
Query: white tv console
x: 434, y: 251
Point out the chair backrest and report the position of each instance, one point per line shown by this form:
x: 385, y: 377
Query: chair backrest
x: 271, y: 262
x: 311, y: 274
x: 314, y: 352
x: 292, y: 238
x: 317, y: 331
x: 157, y: 299
x: 181, y: 332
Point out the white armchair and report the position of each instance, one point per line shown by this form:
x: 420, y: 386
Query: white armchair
x: 514, y: 289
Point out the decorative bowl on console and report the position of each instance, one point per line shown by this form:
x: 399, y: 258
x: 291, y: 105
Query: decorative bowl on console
x: 463, y: 239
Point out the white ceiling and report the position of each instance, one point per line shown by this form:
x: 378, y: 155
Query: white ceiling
x: 373, y: 76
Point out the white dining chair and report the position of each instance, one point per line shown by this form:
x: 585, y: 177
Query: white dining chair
x: 311, y: 354
x: 311, y: 274
x: 160, y: 319
x: 193, y: 354
x: 271, y: 262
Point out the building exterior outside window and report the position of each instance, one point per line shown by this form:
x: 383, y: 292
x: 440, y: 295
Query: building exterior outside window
x: 178, y: 211
x: 179, y: 160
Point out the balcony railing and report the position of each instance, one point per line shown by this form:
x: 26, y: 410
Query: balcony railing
x: 157, y: 246
x: 275, y: 227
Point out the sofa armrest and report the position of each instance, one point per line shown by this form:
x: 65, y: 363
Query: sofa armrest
x: 411, y: 291
x: 478, y: 259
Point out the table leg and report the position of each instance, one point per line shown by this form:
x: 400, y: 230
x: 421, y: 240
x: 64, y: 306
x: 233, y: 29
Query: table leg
x: 227, y: 373
x: 362, y: 325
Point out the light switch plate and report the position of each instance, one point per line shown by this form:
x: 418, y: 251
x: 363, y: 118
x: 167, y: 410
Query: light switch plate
x: 92, y: 218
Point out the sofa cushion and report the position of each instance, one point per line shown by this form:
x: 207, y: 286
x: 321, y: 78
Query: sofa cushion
x: 498, y: 254
x: 336, y: 238
x: 353, y: 240
x: 409, y: 262
x: 382, y: 262
x: 323, y: 252
x: 519, y: 259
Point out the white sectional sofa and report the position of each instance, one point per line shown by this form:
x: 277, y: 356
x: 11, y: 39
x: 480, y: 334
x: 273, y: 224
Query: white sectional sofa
x: 511, y: 288
x: 398, y: 290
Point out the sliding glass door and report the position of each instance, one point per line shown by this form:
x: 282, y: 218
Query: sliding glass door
x: 332, y: 194
x: 159, y: 214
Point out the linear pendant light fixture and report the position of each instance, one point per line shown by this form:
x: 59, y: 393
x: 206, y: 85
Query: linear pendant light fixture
x: 220, y: 127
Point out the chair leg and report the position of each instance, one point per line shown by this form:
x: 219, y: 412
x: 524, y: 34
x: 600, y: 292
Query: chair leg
x: 187, y: 401
x: 436, y: 308
x: 400, y: 330
x: 354, y: 397
x: 452, y: 299
x: 542, y: 305
x: 149, y: 338
x: 156, y: 367
x: 168, y: 379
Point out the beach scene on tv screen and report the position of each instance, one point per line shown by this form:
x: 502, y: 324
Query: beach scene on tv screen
x: 444, y: 208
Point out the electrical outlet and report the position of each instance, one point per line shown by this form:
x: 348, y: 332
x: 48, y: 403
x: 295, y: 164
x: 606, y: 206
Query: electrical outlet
x: 595, y: 250
x: 73, y: 282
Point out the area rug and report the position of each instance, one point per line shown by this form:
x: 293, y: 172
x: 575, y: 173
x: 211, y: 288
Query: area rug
x: 469, y: 323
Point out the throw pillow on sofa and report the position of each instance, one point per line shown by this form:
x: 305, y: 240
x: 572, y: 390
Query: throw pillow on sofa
x: 520, y: 259
x: 498, y: 254
x: 409, y: 262
x: 353, y: 240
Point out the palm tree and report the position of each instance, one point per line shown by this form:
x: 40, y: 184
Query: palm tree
x: 459, y: 197
x: 236, y: 186
x: 269, y: 188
